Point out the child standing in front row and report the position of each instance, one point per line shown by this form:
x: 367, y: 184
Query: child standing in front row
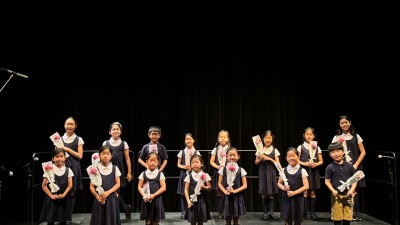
x: 310, y: 160
x: 195, y: 183
x: 232, y: 182
x: 151, y: 186
x: 292, y: 205
x: 217, y: 161
x: 337, y: 171
x: 267, y: 184
x: 184, y: 166
x: 56, y: 206
x: 105, y: 209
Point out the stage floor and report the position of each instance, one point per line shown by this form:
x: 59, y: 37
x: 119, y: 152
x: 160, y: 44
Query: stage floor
x: 253, y: 218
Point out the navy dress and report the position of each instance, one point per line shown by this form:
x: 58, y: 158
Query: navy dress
x: 75, y: 165
x: 352, y: 146
x: 233, y: 205
x: 153, y: 210
x: 182, y: 174
x: 292, y: 208
x: 267, y: 183
x: 314, y: 178
x: 118, y: 160
x: 57, y: 210
x: 107, y: 214
x: 199, y: 211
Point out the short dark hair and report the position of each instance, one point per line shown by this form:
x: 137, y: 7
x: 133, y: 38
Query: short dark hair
x: 335, y: 146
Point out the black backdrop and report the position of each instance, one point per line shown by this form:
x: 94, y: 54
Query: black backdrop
x: 196, y: 68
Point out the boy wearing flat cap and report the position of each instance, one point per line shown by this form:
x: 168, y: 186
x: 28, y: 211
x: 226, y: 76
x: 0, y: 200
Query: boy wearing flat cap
x: 336, y: 173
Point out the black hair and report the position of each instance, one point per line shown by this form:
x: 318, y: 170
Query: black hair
x: 335, y: 146
x: 152, y: 153
x: 105, y: 147
x: 198, y: 157
x: 352, y: 130
x: 154, y: 129
x: 56, y: 151
x: 116, y: 123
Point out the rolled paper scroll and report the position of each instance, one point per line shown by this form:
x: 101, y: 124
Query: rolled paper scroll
x: 281, y: 173
x: 353, y: 179
x: 146, y: 190
x: 257, y: 142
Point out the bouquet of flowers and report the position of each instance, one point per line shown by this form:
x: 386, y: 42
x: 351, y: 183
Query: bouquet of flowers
x: 56, y: 139
x: 197, y: 189
x: 95, y: 159
x: 342, y: 141
x: 231, y: 174
x: 153, y: 148
x: 221, y: 154
x: 146, y: 190
x: 258, y: 143
x: 314, y: 146
x: 353, y: 179
x: 49, y: 174
x: 281, y: 173
x: 94, y: 174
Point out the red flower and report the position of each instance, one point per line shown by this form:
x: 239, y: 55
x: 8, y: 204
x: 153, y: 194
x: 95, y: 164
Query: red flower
x: 93, y: 170
x: 222, y: 153
x: 314, y: 145
x: 341, y: 140
x: 48, y: 167
x: 232, y: 167
x: 203, y: 176
x: 95, y: 156
x: 56, y: 137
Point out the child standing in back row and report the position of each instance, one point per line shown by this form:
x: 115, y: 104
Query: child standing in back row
x: 267, y: 183
x: 310, y: 160
x: 184, y: 166
x: 217, y: 161
x: 154, y: 146
x: 120, y: 150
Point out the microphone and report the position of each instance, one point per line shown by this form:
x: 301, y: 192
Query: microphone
x: 15, y: 73
x: 5, y: 170
x: 385, y: 156
x: 31, y: 162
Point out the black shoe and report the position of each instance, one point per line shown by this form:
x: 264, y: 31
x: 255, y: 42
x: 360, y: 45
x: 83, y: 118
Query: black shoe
x: 313, y: 216
x: 128, y: 212
x: 272, y: 216
x: 307, y: 216
x: 265, y: 216
x: 183, y: 215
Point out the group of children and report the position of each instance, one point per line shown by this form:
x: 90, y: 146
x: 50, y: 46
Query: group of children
x: 298, y: 181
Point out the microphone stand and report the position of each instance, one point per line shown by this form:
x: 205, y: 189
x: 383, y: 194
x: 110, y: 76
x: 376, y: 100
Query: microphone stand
x: 29, y: 189
x: 393, y: 181
x: 11, y: 76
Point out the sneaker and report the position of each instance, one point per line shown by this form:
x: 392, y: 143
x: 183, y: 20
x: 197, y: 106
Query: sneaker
x: 265, y: 216
x: 307, y: 216
x: 356, y: 218
x: 183, y: 215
